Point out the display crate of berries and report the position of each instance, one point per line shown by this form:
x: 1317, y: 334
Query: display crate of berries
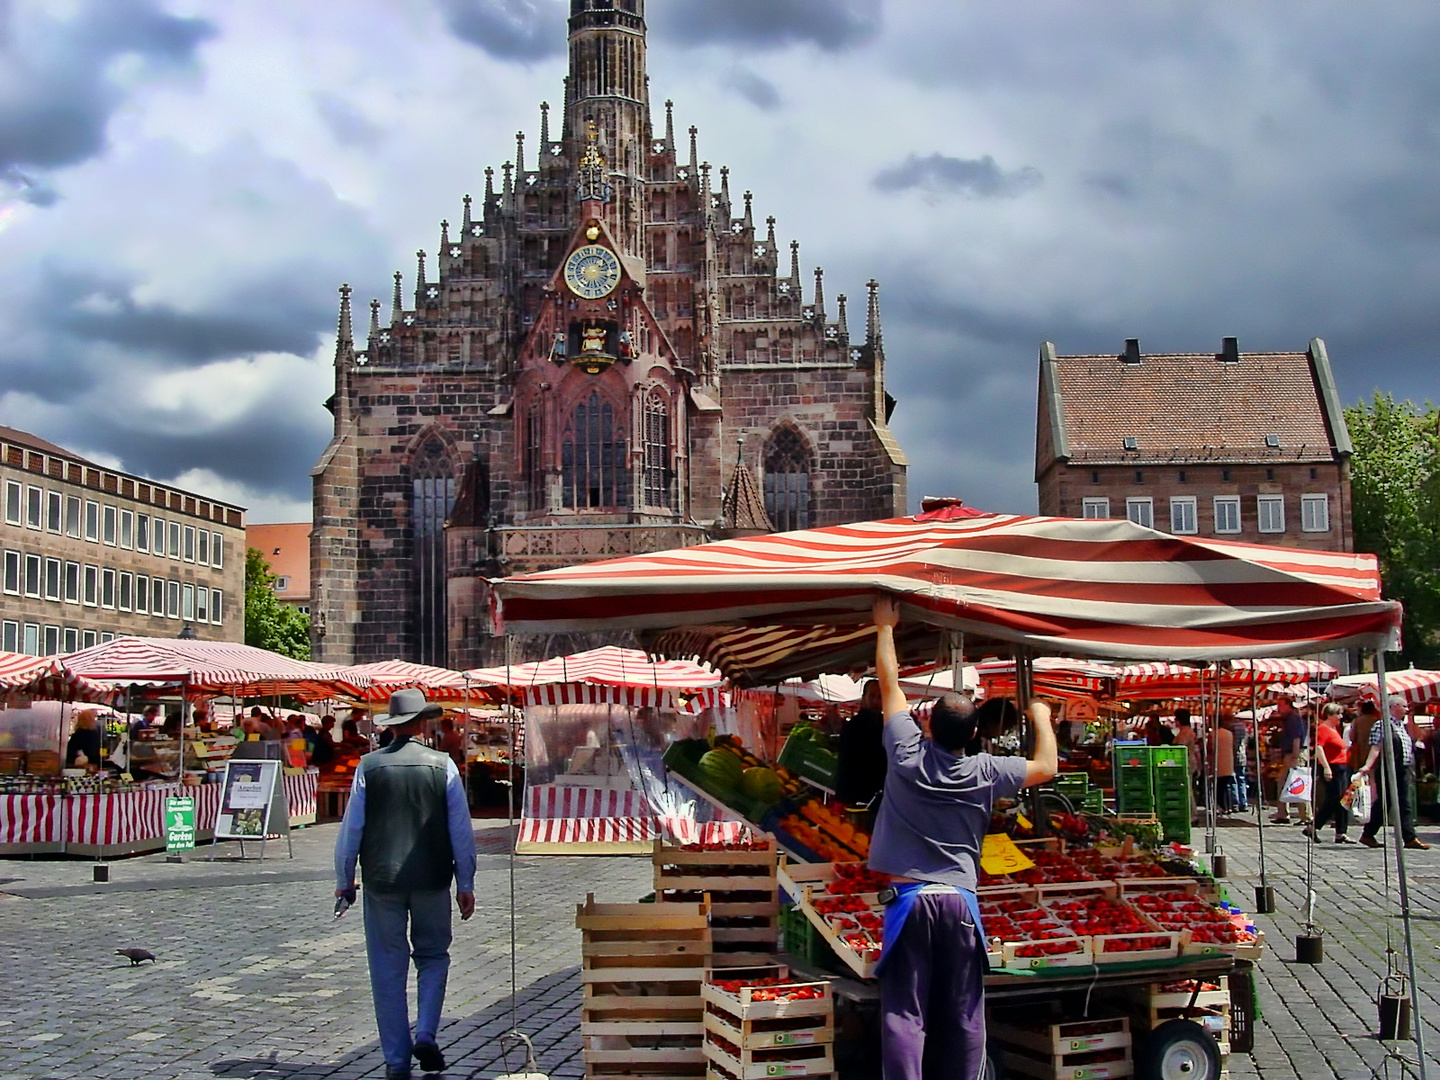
x: 761, y: 1022
x: 841, y: 900
x: 1118, y: 932
x: 1072, y: 1050
x: 1209, y: 930
x: 739, y: 878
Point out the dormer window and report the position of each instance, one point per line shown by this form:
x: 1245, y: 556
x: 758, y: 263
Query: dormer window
x: 1130, y: 442
x: 1272, y: 441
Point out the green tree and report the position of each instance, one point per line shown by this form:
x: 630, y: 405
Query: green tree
x: 1395, y: 492
x: 269, y: 624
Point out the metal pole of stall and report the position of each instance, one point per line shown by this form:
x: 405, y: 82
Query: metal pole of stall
x: 1264, y: 894
x: 1393, y: 807
x: 1024, y: 694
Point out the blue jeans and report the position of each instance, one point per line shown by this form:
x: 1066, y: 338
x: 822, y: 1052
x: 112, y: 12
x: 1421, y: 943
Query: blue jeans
x: 389, y: 949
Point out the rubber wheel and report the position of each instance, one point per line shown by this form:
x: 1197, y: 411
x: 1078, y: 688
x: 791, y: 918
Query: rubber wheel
x: 1178, y: 1050
x: 994, y: 1070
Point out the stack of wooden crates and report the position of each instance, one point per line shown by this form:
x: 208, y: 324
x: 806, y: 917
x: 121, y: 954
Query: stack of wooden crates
x: 643, y: 966
x: 741, y: 885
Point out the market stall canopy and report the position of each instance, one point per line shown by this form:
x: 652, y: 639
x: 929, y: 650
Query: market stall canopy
x: 824, y: 689
x: 46, y: 678
x: 1053, y: 676
x: 764, y: 608
x: 1234, y: 678
x: 219, y: 667
x: 1414, y: 684
x: 607, y: 675
x: 441, y: 685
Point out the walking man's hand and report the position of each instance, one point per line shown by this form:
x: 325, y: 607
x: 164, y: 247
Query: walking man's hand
x: 465, y: 902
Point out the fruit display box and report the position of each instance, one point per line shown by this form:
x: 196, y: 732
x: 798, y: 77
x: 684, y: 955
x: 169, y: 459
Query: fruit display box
x: 1209, y: 930
x: 1119, y: 933
x: 841, y: 901
x: 740, y: 881
x: 760, y: 1022
x: 1079, y: 1050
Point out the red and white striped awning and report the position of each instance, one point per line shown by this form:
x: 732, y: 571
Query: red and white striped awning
x: 441, y: 685
x: 608, y: 675
x: 1053, y: 676
x: 220, y: 667
x: 1235, y: 678
x: 1414, y: 684
x: 46, y: 678
x: 765, y: 608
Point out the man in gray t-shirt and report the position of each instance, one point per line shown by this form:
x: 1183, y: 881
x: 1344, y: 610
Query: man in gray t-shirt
x: 933, y: 817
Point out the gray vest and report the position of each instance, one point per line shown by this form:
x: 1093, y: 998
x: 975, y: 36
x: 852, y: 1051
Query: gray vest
x: 405, y: 846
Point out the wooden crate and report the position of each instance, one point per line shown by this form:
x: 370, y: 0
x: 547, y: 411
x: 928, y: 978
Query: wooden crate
x: 747, y: 1038
x: 742, y: 888
x: 642, y: 968
x: 1067, y: 1037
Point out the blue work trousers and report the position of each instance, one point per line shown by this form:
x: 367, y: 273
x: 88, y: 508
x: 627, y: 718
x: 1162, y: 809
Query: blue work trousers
x: 399, y: 926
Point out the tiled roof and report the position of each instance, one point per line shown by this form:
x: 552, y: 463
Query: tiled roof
x: 743, y: 507
x: 34, y: 442
x: 1193, y: 407
x: 286, y: 548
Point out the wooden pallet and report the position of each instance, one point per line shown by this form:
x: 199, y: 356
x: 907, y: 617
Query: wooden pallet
x: 742, y: 890
x: 642, y: 968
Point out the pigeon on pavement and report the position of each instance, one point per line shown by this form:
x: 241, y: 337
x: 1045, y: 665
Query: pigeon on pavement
x: 137, y: 955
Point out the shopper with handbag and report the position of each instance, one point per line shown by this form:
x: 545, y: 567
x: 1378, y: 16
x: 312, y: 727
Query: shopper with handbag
x: 1332, y: 756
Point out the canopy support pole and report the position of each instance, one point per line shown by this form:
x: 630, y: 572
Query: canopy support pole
x: 1263, y: 893
x: 1024, y: 694
x: 1394, y: 809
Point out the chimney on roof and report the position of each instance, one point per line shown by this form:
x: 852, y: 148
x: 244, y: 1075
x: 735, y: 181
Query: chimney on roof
x: 1132, y: 351
x: 1229, y: 350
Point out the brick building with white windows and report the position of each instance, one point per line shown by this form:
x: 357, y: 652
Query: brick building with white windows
x: 1241, y: 446
x: 90, y: 554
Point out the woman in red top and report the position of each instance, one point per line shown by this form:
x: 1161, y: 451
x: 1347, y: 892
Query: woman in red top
x: 1332, y: 755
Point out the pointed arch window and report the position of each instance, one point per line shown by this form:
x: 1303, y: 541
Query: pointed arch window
x: 432, y: 496
x: 787, y: 480
x: 657, y: 466
x: 592, y: 468
x: 532, y: 465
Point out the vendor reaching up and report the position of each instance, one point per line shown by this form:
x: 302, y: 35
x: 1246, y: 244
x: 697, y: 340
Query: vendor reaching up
x: 933, y: 818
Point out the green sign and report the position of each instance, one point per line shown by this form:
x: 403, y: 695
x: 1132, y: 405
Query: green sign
x: 179, y: 824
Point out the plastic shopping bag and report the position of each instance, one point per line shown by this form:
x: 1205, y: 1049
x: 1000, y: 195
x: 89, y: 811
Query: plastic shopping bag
x: 1357, y: 799
x: 1297, y: 785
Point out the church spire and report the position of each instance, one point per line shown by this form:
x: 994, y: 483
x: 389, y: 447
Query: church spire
x: 694, y: 152
x: 842, y: 326
x: 669, y: 125
x: 397, y: 306
x: 420, y: 279
x: 489, y: 185
x: 725, y: 188
x: 519, y: 155
x: 820, y: 294
x: 344, y: 336
x: 465, y: 222
x: 795, y: 269
x: 749, y: 217
x: 875, y: 346
x: 544, y: 129
x: 374, y: 319
x: 872, y: 315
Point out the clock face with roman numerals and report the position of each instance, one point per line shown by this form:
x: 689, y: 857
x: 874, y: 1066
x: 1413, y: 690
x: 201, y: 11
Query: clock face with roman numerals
x: 592, y: 271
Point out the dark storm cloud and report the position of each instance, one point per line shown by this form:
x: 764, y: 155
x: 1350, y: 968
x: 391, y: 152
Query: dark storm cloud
x: 760, y: 92
x: 60, y: 93
x: 832, y: 25
x: 27, y: 188
x: 348, y: 124
x: 508, y: 29
x: 975, y: 178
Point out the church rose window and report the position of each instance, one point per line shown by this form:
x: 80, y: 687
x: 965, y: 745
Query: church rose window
x: 433, y: 481
x: 657, y: 451
x: 787, y: 481
x: 593, y: 472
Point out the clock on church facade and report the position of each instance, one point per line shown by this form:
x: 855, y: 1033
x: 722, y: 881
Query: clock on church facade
x: 607, y: 355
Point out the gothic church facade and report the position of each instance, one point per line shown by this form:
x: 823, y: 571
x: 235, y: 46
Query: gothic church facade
x: 607, y: 355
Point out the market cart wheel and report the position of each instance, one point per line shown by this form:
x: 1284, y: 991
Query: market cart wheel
x: 1178, y: 1050
x: 994, y: 1070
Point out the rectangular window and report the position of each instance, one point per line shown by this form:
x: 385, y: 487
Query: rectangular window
x: 215, y: 609
x: 54, y: 512
x: 87, y: 639
x: 10, y: 636
x: 92, y: 521
x: 110, y: 528
x: 157, y: 537
x: 72, y: 582
x: 1183, y: 515
x: 1095, y: 508
x: 1314, y: 513
x: 1227, y: 513
x: 14, y: 496
x: 172, y: 599
x: 32, y: 576
x: 127, y: 529
x: 142, y: 594
x: 157, y: 597
x: 174, y: 539
x: 72, y: 639
x: 202, y: 603
x: 1141, y: 511
x: 203, y: 556
x: 31, y: 642
x: 52, y: 579
x: 189, y: 543
x: 92, y: 586
x: 107, y: 588
x: 12, y: 574
x: 217, y: 550
x: 52, y: 640
x: 127, y: 590
x: 142, y: 532
x: 34, y: 508
x: 187, y: 603
x: 106, y: 636
x: 72, y: 516
x: 1270, y: 513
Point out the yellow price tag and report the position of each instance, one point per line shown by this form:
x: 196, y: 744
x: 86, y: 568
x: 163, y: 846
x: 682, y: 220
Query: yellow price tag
x: 999, y: 855
x: 1023, y: 821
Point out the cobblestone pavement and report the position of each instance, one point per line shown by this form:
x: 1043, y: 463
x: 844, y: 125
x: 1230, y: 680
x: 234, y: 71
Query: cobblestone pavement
x: 257, y: 980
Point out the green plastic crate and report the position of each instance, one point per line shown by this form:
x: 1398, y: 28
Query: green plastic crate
x: 799, y: 938
x: 810, y: 761
x: 1072, y: 785
x: 1094, y: 801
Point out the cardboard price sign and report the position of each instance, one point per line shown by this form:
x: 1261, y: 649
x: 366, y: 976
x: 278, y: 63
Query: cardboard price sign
x: 179, y: 824
x: 999, y: 855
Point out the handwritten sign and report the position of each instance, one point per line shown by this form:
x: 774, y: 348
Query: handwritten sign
x: 179, y: 824
x: 999, y: 855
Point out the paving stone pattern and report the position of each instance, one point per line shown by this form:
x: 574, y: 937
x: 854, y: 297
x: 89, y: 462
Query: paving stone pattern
x: 257, y: 980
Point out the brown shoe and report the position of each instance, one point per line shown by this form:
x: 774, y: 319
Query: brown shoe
x: 1417, y: 845
x: 1370, y: 841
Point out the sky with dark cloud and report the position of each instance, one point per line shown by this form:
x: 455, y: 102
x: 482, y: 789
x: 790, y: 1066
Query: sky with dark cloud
x: 185, y: 183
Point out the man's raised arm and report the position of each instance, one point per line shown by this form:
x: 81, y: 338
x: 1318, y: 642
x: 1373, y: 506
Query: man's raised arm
x: 1046, y: 762
x: 886, y: 614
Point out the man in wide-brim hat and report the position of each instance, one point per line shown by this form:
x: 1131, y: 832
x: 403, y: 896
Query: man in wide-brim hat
x: 408, y: 823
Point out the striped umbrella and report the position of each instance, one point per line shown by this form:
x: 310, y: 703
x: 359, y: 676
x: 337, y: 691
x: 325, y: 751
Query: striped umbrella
x: 46, y: 678
x: 607, y: 675
x: 220, y: 667
x: 441, y: 685
x: 765, y: 608
x: 1414, y: 684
